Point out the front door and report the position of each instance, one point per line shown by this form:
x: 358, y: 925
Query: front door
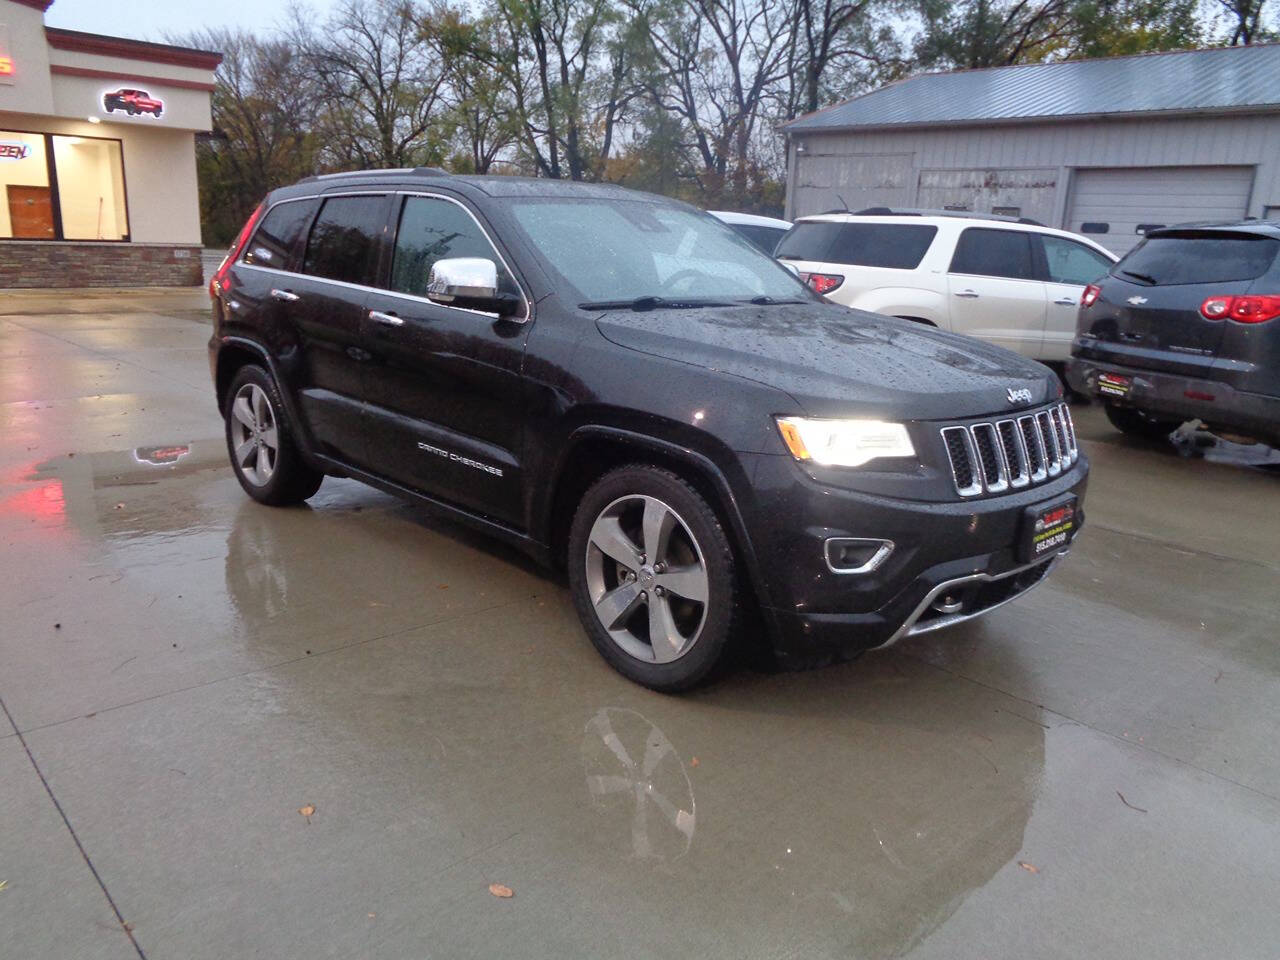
x: 325, y: 305
x: 445, y: 386
x: 993, y: 292
x: 31, y: 212
x: 1069, y: 266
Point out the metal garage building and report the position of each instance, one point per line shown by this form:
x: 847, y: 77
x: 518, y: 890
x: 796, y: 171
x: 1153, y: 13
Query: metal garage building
x: 1103, y: 147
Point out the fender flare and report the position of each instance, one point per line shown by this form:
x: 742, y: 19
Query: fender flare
x: 302, y: 433
x: 708, y: 468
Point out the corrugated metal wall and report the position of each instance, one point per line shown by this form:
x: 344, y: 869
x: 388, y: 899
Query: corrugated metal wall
x: 1031, y: 148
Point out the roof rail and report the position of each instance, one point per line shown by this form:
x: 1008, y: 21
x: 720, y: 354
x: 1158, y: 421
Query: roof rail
x: 421, y: 171
x: 963, y: 214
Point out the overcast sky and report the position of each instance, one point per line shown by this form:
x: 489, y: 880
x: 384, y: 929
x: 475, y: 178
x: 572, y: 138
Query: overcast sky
x: 154, y: 19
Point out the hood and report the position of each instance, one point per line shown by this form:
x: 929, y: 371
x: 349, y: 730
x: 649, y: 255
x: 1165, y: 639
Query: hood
x: 837, y: 362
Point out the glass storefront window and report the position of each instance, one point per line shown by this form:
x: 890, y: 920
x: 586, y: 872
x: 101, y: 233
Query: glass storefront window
x: 90, y: 188
x: 27, y: 211
x: 61, y: 188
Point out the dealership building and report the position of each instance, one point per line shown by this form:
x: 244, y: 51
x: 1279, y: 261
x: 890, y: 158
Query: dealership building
x: 1107, y: 147
x: 97, y: 155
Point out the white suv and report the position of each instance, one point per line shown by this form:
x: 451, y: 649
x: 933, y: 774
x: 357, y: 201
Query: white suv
x: 1012, y: 282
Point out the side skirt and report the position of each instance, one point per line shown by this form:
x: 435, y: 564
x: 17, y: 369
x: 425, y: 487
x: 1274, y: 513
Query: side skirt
x: 540, y: 552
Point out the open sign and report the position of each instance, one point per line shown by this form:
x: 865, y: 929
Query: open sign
x: 14, y: 150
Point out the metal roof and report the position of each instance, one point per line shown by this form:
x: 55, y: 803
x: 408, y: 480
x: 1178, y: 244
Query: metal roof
x: 1224, y: 78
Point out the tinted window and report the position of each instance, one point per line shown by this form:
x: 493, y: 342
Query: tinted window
x: 344, y: 239
x: 994, y: 253
x: 1071, y: 262
x: 431, y: 230
x: 278, y: 233
x: 1200, y: 258
x: 896, y: 245
x: 766, y: 238
x: 808, y: 241
x: 901, y: 246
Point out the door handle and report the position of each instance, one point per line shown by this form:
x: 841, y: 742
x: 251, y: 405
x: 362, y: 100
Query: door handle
x: 968, y: 294
x: 1065, y: 302
x: 390, y: 319
x: 288, y: 296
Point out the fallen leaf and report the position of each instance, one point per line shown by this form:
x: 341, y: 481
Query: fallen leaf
x: 3, y: 884
x: 693, y: 762
x: 308, y: 811
x: 498, y: 890
x: 1029, y: 867
x: 444, y: 586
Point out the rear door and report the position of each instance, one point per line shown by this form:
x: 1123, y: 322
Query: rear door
x: 326, y: 303
x: 1068, y: 266
x: 994, y: 292
x: 445, y: 384
x: 1148, y: 314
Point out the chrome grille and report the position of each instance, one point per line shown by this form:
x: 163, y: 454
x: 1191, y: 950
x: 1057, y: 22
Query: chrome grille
x: 996, y: 456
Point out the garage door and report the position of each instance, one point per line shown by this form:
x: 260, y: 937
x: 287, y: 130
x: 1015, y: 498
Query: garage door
x: 1112, y: 205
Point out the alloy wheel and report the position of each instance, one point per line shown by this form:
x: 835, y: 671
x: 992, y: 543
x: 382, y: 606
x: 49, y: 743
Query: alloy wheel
x: 255, y: 438
x: 647, y: 578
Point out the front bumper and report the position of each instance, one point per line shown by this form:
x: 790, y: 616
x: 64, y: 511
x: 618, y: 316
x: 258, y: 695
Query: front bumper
x: 1177, y: 397
x: 964, y: 552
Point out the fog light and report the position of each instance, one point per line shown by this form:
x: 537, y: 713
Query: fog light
x: 856, y: 554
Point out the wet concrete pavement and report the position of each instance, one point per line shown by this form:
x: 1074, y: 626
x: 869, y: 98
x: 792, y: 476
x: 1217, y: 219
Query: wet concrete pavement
x: 1089, y: 772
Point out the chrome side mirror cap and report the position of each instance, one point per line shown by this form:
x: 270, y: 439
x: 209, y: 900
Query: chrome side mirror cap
x: 470, y: 283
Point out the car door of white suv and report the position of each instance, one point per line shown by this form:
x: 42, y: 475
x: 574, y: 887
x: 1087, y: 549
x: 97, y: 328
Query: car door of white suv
x: 1070, y: 267
x: 993, y: 292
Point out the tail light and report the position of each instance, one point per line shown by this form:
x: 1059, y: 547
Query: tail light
x: 1246, y: 309
x: 219, y: 281
x: 1090, y: 295
x: 822, y: 282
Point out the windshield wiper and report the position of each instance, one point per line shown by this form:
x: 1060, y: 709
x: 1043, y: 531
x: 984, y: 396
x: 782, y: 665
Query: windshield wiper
x: 650, y: 303
x: 768, y: 301
x: 1144, y: 277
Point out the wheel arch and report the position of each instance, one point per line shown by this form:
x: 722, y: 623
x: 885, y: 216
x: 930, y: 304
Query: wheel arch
x: 233, y: 354
x: 593, y: 451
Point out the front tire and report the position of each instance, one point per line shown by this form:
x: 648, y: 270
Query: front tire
x: 260, y: 442
x: 1139, y: 423
x: 652, y: 577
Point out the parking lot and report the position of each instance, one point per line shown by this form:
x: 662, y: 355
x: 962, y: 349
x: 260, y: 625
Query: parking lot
x: 233, y: 731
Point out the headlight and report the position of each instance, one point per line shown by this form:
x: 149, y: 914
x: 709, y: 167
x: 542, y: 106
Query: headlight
x: 844, y: 443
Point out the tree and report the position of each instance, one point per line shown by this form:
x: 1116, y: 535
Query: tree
x: 1245, y: 20
x: 479, y: 103
x: 568, y: 64
x: 379, y: 83
x: 713, y: 65
x: 849, y: 40
x: 261, y: 103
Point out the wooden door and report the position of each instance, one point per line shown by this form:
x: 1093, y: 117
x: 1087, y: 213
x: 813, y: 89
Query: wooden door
x: 31, y: 212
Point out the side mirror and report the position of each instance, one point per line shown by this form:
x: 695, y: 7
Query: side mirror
x: 470, y: 283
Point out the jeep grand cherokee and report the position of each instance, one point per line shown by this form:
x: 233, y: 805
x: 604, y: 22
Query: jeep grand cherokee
x: 621, y: 384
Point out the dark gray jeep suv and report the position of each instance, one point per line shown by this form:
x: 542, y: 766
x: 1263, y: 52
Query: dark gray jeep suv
x: 620, y: 384
x: 1187, y: 326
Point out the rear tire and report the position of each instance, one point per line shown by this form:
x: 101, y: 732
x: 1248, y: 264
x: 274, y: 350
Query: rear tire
x: 1139, y: 423
x: 652, y: 577
x: 264, y: 455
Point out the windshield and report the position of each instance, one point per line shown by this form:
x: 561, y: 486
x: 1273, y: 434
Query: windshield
x: 621, y: 250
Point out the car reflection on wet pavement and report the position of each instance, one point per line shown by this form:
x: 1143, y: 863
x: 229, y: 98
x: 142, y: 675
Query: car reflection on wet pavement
x: 1089, y: 772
